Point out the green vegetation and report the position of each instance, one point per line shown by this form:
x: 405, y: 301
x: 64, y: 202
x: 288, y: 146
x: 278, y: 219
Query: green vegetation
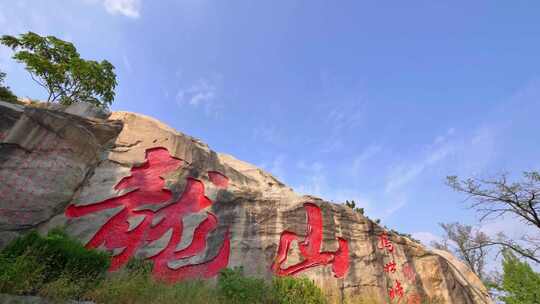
x: 57, y: 66
x: 520, y: 284
x: 500, y: 198
x: 34, y: 264
x: 5, y: 92
x: 296, y: 291
x: 352, y: 205
x: 60, y: 268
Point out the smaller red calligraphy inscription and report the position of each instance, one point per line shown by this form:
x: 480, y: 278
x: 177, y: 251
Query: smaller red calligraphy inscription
x: 384, y: 242
x: 409, y: 273
x: 396, y: 291
x: 390, y: 267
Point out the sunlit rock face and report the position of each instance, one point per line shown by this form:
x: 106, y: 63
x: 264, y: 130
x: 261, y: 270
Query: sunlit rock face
x: 137, y: 188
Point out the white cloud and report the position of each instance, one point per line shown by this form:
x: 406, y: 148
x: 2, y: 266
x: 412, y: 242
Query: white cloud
x: 404, y: 174
x: 198, y: 93
x: 360, y: 160
x: 127, y: 63
x: 426, y: 237
x: 340, y: 118
x: 128, y: 8
x: 202, y: 93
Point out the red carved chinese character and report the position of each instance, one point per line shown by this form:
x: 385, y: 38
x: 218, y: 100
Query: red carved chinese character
x: 390, y: 267
x: 409, y: 273
x: 310, y: 248
x: 145, y: 189
x: 397, y: 290
x: 385, y: 243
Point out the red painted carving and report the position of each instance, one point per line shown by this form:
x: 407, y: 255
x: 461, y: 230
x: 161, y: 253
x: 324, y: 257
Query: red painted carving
x: 145, y: 188
x: 310, y: 248
x: 385, y: 243
x: 396, y: 291
x: 390, y: 267
x: 409, y: 273
x: 218, y: 179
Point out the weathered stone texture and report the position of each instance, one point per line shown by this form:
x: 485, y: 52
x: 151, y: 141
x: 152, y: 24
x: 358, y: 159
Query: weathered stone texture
x: 49, y: 159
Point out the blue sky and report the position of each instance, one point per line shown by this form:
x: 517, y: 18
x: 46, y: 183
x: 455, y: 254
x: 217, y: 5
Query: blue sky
x: 350, y: 100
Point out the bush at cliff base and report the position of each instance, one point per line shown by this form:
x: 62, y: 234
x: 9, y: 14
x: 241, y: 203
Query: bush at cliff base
x: 60, y: 268
x: 32, y: 262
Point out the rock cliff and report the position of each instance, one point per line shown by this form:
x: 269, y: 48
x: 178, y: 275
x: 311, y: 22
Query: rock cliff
x: 137, y: 188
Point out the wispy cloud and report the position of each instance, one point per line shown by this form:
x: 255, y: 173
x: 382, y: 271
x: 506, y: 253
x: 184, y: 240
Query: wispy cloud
x: 127, y: 63
x: 202, y: 93
x: 341, y: 118
x: 360, y: 160
x: 403, y: 174
x: 128, y: 8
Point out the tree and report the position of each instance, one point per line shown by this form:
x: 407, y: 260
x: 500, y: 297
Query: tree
x: 497, y: 197
x: 520, y: 284
x: 459, y: 239
x: 57, y: 66
x: 5, y: 92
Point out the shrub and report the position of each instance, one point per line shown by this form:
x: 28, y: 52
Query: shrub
x: 20, y: 275
x: 58, y: 264
x: 139, y: 266
x: 139, y: 287
x: 288, y: 290
x: 65, y: 288
x: 5, y: 92
x: 60, y: 268
x: 234, y: 287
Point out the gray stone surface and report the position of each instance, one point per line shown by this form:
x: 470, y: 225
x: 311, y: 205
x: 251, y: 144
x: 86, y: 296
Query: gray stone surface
x: 12, y: 299
x: 255, y: 208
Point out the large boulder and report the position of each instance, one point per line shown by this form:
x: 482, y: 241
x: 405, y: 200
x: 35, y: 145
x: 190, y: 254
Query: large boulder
x: 137, y: 188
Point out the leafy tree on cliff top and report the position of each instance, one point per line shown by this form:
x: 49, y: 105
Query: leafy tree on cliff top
x: 5, y: 92
x: 57, y: 66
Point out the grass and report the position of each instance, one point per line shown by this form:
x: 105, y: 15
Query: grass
x: 59, y: 268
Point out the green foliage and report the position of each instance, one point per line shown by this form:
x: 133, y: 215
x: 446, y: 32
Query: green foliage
x: 136, y: 286
x: 139, y: 266
x: 234, y: 287
x: 65, y: 288
x: 57, y: 66
x: 520, y: 283
x: 287, y: 290
x: 20, y: 275
x: 60, y: 268
x: 32, y: 262
x: 352, y: 205
x: 5, y: 92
